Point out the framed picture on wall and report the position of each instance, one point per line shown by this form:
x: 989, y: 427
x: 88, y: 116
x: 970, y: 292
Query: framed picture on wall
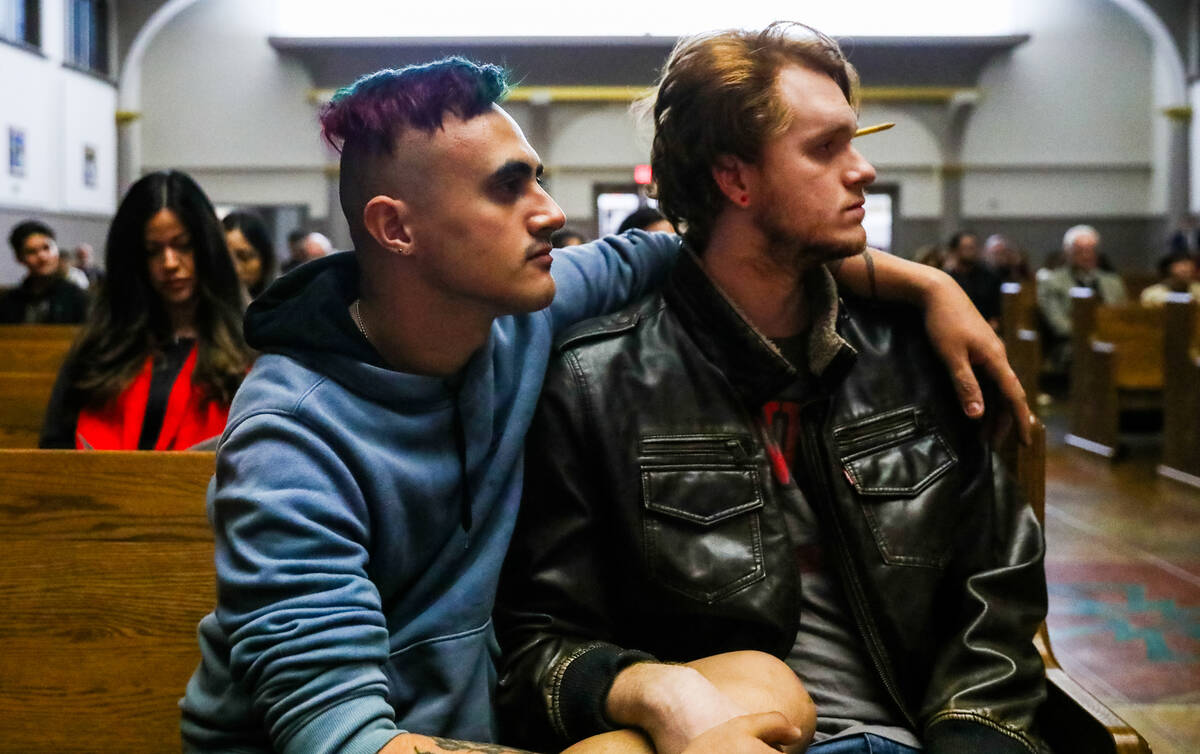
x: 89, y: 166
x: 16, y: 151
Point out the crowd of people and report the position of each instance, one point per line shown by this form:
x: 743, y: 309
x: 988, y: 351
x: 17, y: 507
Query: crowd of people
x: 160, y: 352
x: 1078, y: 263
x: 756, y: 510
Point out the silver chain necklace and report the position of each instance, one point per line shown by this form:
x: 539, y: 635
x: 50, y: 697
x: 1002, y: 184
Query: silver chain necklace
x: 356, y: 310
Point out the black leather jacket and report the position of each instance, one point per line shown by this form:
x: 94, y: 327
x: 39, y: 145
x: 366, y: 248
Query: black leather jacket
x: 652, y: 521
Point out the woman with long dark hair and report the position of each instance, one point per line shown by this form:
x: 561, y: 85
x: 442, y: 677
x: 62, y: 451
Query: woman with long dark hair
x: 250, y: 247
x: 157, y: 364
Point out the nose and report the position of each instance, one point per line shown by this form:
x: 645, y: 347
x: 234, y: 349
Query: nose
x: 549, y: 216
x: 170, y: 258
x: 861, y: 172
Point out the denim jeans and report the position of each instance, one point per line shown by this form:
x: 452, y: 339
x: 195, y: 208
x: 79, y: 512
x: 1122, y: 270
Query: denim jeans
x: 863, y: 743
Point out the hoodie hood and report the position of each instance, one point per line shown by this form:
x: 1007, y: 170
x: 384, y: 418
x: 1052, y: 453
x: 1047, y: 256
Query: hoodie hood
x: 306, y: 310
x: 304, y: 315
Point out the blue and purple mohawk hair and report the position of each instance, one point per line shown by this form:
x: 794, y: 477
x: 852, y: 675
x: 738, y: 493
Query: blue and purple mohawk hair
x: 369, y: 113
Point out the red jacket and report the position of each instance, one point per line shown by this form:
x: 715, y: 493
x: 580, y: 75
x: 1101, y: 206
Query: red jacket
x: 189, y: 417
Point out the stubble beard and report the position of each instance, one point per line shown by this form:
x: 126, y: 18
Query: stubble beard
x: 793, y: 251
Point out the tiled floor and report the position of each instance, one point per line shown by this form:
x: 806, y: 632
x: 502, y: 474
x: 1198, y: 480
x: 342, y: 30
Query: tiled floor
x: 1123, y: 565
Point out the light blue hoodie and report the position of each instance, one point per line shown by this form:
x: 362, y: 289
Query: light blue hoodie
x: 355, y: 569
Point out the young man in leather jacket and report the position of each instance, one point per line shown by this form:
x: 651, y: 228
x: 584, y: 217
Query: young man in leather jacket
x: 745, y: 467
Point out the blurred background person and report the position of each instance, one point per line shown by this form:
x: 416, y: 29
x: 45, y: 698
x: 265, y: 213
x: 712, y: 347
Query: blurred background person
x: 84, y: 260
x: 1006, y: 260
x: 251, y: 249
x: 981, y: 286
x: 567, y: 236
x: 45, y: 295
x: 1177, y: 273
x: 1081, y: 244
x: 304, y: 246
x: 162, y: 354
x: 647, y: 218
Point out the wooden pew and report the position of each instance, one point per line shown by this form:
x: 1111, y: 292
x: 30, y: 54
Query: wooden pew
x: 1181, y: 390
x: 1071, y: 719
x: 30, y: 357
x: 1018, y: 329
x: 106, y: 567
x: 1116, y: 365
x: 35, y: 348
x: 23, y: 399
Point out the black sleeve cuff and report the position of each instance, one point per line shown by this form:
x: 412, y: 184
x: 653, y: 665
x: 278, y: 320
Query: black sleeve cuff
x: 583, y: 691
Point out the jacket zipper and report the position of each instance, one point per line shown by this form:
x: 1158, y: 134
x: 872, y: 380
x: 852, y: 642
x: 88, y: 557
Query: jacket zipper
x: 728, y: 446
x: 860, y: 439
x: 817, y: 471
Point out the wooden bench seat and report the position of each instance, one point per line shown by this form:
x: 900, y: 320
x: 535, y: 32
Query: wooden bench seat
x: 106, y: 568
x: 1117, y: 365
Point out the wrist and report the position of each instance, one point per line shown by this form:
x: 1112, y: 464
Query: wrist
x: 646, y: 693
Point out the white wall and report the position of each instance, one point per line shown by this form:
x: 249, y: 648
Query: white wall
x: 1067, y: 126
x: 61, y: 112
x: 220, y: 104
x: 1194, y: 146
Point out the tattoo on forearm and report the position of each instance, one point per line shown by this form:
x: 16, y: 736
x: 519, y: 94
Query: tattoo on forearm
x: 834, y: 265
x: 448, y: 744
x: 870, y: 271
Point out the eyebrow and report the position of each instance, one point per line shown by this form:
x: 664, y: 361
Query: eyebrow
x: 514, y: 169
x: 848, y: 130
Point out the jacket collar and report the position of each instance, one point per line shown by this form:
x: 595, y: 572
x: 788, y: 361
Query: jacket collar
x: 747, y: 358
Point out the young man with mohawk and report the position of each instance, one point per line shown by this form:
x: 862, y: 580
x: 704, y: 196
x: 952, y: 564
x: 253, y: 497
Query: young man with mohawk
x: 368, y: 480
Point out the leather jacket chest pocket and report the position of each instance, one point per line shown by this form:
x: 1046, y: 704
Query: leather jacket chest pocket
x: 893, y: 461
x: 701, y: 497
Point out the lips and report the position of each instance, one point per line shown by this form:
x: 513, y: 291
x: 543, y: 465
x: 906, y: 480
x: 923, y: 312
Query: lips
x: 540, y: 254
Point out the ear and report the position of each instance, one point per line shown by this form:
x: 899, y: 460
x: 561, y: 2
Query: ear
x: 386, y: 219
x: 733, y: 177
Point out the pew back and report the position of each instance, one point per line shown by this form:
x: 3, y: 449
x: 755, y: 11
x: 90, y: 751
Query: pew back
x: 35, y: 348
x: 1181, y: 399
x: 105, y: 570
x: 1136, y: 335
x: 23, y: 399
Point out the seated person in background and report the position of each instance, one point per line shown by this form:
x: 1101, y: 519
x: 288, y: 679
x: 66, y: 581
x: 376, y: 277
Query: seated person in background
x: 84, y: 261
x: 157, y: 364
x: 306, y: 246
x: 1081, y: 245
x: 745, y: 462
x: 981, y: 286
x: 646, y: 218
x: 1178, y: 273
x: 45, y: 296
x: 375, y: 452
x: 251, y: 249
x: 1006, y: 260
x: 567, y: 236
